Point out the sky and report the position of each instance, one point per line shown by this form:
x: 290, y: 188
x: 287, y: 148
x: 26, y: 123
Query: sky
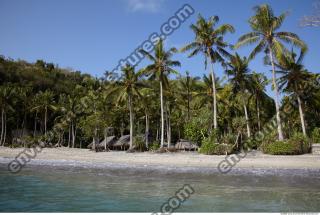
x: 91, y: 36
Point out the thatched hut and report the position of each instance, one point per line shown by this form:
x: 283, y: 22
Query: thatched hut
x: 123, y: 143
x: 186, y: 145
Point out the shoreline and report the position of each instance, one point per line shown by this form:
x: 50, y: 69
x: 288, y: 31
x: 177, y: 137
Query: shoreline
x: 180, y: 162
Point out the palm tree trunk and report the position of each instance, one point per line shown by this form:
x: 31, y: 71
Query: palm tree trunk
x: 105, y: 138
x: 131, y: 121
x: 275, y: 86
x: 302, y: 117
x: 69, y: 138
x: 214, y: 92
x: 2, y: 125
x: 162, y: 115
x: 247, y: 120
x: 73, y: 134
x: 5, y: 129
x: 168, y: 126
x: 147, y: 130
x: 35, y: 124
x: 45, y: 120
x: 188, y: 94
x: 258, y: 113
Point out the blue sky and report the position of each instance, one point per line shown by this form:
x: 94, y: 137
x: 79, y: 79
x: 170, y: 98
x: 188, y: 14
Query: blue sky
x: 93, y: 35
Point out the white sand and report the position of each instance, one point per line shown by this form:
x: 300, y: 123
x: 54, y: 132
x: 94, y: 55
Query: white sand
x: 181, y: 159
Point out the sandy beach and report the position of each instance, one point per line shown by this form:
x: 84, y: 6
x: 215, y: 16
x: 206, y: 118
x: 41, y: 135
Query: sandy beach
x: 181, y: 160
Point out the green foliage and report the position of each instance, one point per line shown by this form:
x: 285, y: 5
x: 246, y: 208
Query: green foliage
x: 280, y: 148
x: 297, y: 144
x: 301, y: 142
x: 211, y: 147
x: 197, y: 128
x: 316, y: 135
x: 154, y: 146
x: 139, y: 143
x: 251, y: 143
x: 229, y: 138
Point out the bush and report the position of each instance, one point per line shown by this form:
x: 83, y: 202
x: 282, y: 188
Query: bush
x: 139, y: 144
x: 210, y: 146
x: 296, y: 145
x: 229, y: 138
x: 301, y: 142
x: 280, y: 148
x: 197, y: 128
x: 154, y: 146
x: 316, y: 135
x: 251, y: 143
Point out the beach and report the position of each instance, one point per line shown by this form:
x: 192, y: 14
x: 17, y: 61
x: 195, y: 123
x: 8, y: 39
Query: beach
x: 179, y: 160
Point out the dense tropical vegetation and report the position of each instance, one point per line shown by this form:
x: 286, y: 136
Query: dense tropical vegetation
x: 41, y: 102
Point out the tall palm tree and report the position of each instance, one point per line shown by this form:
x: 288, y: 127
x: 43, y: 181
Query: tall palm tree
x: 127, y: 88
x: 209, y: 42
x: 239, y: 76
x: 294, y: 79
x: 259, y: 83
x: 46, y: 102
x: 205, y: 91
x: 160, y: 68
x: 7, y: 91
x: 265, y: 25
x: 186, y: 87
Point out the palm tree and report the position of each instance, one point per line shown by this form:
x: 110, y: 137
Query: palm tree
x: 46, y: 102
x: 209, y: 41
x: 159, y: 69
x: 265, y: 25
x: 240, y: 80
x: 205, y: 91
x: 294, y: 79
x: 6, y: 93
x: 186, y: 87
x: 259, y: 83
x: 127, y: 88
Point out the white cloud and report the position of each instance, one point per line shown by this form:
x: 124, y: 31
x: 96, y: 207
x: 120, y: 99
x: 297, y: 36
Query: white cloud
x: 145, y: 5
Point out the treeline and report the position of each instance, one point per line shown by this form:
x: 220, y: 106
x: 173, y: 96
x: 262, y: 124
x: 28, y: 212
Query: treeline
x: 67, y: 108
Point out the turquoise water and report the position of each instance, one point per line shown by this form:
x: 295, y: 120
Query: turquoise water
x: 74, y: 189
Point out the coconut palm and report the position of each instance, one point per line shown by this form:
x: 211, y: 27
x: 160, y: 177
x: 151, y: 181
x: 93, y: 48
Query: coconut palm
x: 7, y: 91
x: 265, y: 26
x: 186, y: 87
x: 160, y: 68
x: 294, y: 79
x: 209, y: 42
x: 239, y: 76
x: 45, y: 103
x: 205, y: 91
x: 127, y: 88
x: 259, y: 83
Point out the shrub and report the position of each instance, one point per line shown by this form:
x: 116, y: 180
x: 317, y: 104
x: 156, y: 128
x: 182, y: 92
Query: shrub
x: 316, y: 135
x: 280, y: 148
x: 297, y: 144
x: 154, y: 146
x: 301, y: 142
x: 210, y: 146
x: 197, y: 128
x: 139, y: 143
x: 229, y: 138
x: 251, y: 143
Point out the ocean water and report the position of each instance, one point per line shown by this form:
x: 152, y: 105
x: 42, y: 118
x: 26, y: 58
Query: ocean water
x: 83, y: 189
